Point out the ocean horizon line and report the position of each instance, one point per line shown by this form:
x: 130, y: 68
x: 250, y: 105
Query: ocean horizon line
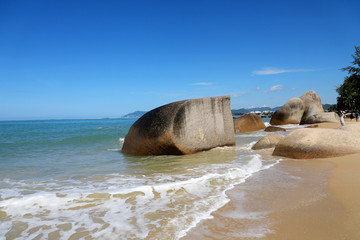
x: 60, y: 119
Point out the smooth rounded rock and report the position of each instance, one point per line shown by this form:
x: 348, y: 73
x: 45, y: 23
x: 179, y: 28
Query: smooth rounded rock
x: 318, y: 143
x: 269, y: 141
x: 290, y: 113
x: 248, y: 123
x: 313, y: 108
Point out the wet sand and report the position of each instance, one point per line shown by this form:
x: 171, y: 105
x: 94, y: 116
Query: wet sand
x: 344, y: 185
x: 296, y: 199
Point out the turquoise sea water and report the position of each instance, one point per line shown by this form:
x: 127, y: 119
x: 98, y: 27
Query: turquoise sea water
x: 60, y: 148
x: 67, y: 179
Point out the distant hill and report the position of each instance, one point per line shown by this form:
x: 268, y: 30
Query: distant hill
x: 326, y: 106
x: 136, y: 114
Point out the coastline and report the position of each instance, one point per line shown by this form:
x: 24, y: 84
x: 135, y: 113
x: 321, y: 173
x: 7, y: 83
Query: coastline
x: 281, y: 198
x: 296, y: 199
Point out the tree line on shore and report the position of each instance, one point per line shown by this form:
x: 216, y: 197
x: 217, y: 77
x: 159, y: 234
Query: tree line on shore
x: 349, y: 91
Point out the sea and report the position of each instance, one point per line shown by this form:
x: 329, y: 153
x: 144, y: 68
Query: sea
x: 67, y: 179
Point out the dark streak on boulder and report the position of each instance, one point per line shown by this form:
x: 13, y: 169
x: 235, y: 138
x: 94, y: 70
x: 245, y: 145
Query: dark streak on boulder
x: 290, y: 113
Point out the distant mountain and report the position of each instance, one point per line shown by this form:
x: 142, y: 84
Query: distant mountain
x: 261, y: 109
x: 326, y: 106
x: 136, y: 114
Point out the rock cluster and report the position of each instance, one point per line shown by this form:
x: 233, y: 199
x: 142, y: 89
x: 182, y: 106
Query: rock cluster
x: 195, y: 125
x: 304, y: 110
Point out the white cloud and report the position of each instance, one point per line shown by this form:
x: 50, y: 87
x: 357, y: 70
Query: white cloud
x: 271, y: 71
x: 202, y: 84
x: 274, y: 88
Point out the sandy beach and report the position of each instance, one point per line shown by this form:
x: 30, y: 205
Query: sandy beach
x: 337, y: 215
x: 298, y: 199
x: 344, y: 185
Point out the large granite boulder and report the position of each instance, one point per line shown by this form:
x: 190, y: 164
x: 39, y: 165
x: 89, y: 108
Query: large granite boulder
x: 182, y: 127
x: 290, y: 113
x: 269, y: 141
x: 313, y: 106
x: 248, y: 123
x: 318, y: 143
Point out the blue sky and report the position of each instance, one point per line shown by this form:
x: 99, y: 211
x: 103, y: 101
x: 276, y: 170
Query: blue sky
x: 90, y: 59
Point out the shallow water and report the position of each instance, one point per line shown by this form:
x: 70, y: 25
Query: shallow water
x: 67, y: 179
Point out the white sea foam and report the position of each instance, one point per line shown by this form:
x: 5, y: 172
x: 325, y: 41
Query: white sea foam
x: 247, y: 146
x: 256, y: 232
x: 114, y: 149
x: 121, y: 142
x: 256, y: 134
x: 293, y: 126
x: 131, y: 210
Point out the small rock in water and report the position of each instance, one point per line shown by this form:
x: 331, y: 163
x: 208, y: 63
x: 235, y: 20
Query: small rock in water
x: 274, y: 129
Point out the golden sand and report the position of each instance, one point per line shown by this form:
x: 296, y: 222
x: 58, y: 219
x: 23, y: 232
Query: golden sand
x: 345, y: 186
x: 337, y: 216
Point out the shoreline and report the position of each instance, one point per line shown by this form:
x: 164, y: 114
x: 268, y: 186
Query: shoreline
x: 296, y: 199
